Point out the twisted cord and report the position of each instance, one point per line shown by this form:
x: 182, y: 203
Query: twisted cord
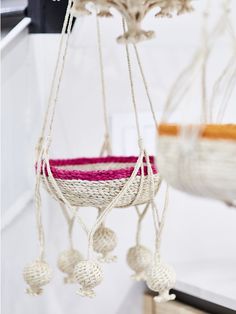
x: 145, y: 84
x: 141, y: 216
x: 185, y: 79
x: 159, y: 222
x: 107, y: 141
x: 106, y: 211
x: 132, y: 86
x: 67, y: 25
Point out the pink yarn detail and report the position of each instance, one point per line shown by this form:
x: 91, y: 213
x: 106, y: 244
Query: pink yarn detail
x: 96, y: 175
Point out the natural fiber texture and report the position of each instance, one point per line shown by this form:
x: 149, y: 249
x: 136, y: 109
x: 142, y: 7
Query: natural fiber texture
x: 134, y: 12
x: 37, y: 275
x: 168, y: 7
x: 200, y: 159
x: 67, y: 261
x: 114, y: 167
x: 161, y: 278
x: 199, y: 166
x: 209, y: 131
x: 88, y: 274
x: 104, y: 242
x: 79, y: 9
x: 139, y: 259
x: 101, y: 193
x: 100, y: 188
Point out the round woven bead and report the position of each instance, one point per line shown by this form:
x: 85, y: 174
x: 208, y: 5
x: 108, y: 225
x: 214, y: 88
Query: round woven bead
x: 160, y: 278
x: 139, y: 258
x: 88, y: 274
x: 36, y: 275
x: 66, y: 263
x: 104, y: 241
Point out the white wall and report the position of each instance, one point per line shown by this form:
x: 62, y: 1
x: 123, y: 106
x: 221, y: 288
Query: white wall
x: 197, y: 230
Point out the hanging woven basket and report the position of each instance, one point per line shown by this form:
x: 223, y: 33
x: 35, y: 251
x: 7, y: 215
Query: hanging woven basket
x: 97, y: 181
x: 199, y: 160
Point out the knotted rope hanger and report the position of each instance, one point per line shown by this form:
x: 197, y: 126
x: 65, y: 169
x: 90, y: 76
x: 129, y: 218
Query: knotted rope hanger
x: 43, y: 143
x: 199, y: 63
x: 45, y: 139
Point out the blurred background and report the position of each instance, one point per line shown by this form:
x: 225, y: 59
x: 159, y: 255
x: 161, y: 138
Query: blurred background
x: 199, y: 236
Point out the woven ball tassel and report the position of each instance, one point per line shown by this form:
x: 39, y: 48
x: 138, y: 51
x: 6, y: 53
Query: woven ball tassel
x: 88, y: 274
x: 139, y: 259
x: 67, y: 261
x: 37, y: 275
x: 161, y: 278
x: 104, y: 242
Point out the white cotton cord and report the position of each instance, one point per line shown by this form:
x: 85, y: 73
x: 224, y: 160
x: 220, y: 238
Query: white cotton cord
x: 70, y: 223
x: 145, y: 84
x: 185, y: 80
x: 181, y: 87
x: 44, y: 141
x: 227, y: 76
x: 140, y: 185
x: 159, y: 222
x: 59, y: 195
x: 60, y: 54
x: 217, y: 85
x: 132, y: 86
x: 106, y: 146
x: 141, y: 216
x: 38, y: 214
x: 106, y: 211
x: 107, y: 141
x: 230, y: 88
x: 60, y: 75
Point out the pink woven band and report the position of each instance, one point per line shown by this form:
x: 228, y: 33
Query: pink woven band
x: 96, y: 175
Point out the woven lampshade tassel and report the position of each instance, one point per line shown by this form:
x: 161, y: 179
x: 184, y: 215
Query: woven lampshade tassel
x: 160, y: 277
x: 139, y: 257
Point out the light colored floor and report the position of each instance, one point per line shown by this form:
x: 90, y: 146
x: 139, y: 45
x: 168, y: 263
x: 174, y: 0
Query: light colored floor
x: 173, y: 307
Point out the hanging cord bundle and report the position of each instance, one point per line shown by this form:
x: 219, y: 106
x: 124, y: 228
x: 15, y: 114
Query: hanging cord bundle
x: 139, y: 257
x: 103, y: 182
x: 68, y: 259
x: 104, y: 239
x: 198, y: 158
x: 134, y: 12
x: 160, y: 277
x: 88, y: 273
x: 39, y: 273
